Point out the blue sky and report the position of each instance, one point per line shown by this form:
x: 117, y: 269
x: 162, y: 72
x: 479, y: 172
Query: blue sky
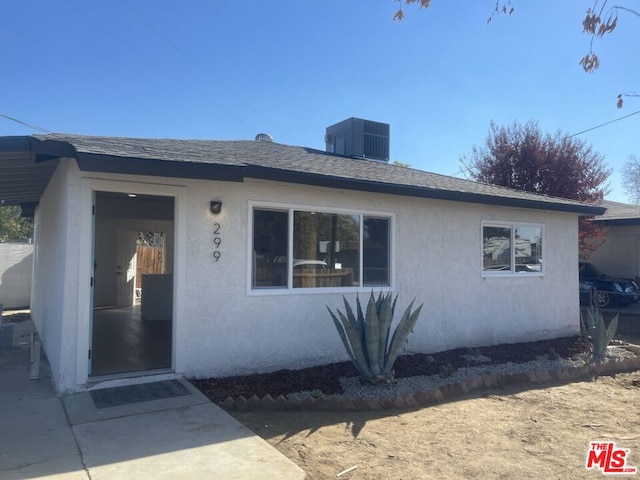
x: 228, y: 70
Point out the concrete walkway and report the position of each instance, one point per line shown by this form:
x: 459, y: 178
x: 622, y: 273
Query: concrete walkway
x: 48, y: 437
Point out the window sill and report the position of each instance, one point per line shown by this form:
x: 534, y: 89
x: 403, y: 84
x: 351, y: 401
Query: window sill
x: 512, y: 274
x: 261, y: 292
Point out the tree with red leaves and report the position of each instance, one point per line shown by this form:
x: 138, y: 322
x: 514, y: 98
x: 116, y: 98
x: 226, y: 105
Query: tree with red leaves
x: 521, y: 157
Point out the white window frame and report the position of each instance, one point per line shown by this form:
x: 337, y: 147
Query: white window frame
x: 290, y: 208
x: 512, y: 226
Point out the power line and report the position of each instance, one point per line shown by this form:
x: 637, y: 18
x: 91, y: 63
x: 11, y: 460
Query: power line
x: 603, y: 124
x: 576, y: 134
x: 34, y: 127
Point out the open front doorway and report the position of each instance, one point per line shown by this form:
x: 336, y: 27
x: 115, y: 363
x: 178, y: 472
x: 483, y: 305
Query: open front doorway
x: 132, y: 314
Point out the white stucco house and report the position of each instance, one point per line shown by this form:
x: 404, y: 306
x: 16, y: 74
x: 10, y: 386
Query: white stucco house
x: 259, y: 238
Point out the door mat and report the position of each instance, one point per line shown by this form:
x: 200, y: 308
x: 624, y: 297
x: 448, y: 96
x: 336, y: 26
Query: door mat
x: 114, y: 396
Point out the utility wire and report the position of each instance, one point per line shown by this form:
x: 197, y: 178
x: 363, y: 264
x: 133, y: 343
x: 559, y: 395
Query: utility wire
x: 603, y: 124
x: 34, y: 127
x: 576, y: 134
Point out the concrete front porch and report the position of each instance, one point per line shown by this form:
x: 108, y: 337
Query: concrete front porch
x: 50, y: 437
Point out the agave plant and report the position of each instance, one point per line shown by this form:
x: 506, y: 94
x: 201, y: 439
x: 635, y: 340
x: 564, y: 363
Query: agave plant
x: 597, y: 332
x: 367, y: 338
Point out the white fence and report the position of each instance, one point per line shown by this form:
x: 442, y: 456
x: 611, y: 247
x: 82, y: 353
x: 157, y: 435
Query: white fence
x: 16, y: 260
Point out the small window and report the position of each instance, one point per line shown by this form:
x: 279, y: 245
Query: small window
x: 511, y: 249
x: 327, y: 249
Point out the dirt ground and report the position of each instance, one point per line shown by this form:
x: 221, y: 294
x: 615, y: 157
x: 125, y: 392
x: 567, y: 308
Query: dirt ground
x: 499, y: 434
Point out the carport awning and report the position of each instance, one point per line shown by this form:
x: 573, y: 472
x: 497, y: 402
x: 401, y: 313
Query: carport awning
x: 22, y: 178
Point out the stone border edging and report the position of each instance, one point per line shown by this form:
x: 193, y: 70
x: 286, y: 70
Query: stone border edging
x: 449, y: 391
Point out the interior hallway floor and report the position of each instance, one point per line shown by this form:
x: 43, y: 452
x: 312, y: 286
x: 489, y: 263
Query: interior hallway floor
x: 123, y: 342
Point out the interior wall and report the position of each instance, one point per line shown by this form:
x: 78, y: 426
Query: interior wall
x: 122, y: 206
x: 120, y: 212
x: 106, y: 231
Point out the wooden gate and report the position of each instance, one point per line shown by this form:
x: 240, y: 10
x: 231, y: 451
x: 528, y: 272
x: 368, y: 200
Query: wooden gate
x: 148, y: 260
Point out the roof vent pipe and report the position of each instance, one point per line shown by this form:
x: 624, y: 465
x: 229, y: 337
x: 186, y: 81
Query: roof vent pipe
x: 264, y: 137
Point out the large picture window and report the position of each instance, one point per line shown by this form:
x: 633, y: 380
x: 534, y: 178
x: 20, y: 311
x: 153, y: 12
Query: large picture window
x: 511, y: 248
x: 294, y: 248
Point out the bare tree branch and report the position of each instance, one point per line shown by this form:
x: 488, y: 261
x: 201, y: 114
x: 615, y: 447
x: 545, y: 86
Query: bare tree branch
x: 599, y: 20
x: 631, y: 179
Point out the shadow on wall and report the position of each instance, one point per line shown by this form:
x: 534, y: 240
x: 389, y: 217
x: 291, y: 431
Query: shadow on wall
x: 15, y: 275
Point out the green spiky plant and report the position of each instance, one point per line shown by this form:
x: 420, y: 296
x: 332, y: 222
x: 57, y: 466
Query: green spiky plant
x: 367, y: 338
x: 595, y: 330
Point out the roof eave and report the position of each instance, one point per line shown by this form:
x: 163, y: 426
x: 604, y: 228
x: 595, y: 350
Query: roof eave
x: 618, y: 222
x: 267, y: 173
x: 50, y: 149
x: 159, y: 168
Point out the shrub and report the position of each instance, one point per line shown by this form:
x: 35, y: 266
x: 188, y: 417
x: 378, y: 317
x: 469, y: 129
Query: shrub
x: 597, y: 333
x: 367, y: 339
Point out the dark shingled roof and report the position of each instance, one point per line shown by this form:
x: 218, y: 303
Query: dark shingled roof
x: 236, y: 160
x: 619, y: 213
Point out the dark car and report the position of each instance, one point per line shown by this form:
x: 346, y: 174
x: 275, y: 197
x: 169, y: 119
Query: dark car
x: 608, y: 290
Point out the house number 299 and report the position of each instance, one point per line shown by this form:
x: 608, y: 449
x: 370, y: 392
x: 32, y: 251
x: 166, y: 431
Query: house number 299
x: 217, y: 240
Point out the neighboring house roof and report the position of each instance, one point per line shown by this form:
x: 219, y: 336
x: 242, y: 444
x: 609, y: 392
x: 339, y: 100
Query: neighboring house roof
x: 236, y: 160
x: 619, y: 213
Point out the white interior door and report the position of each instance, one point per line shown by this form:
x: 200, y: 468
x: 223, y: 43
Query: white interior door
x: 125, y: 267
